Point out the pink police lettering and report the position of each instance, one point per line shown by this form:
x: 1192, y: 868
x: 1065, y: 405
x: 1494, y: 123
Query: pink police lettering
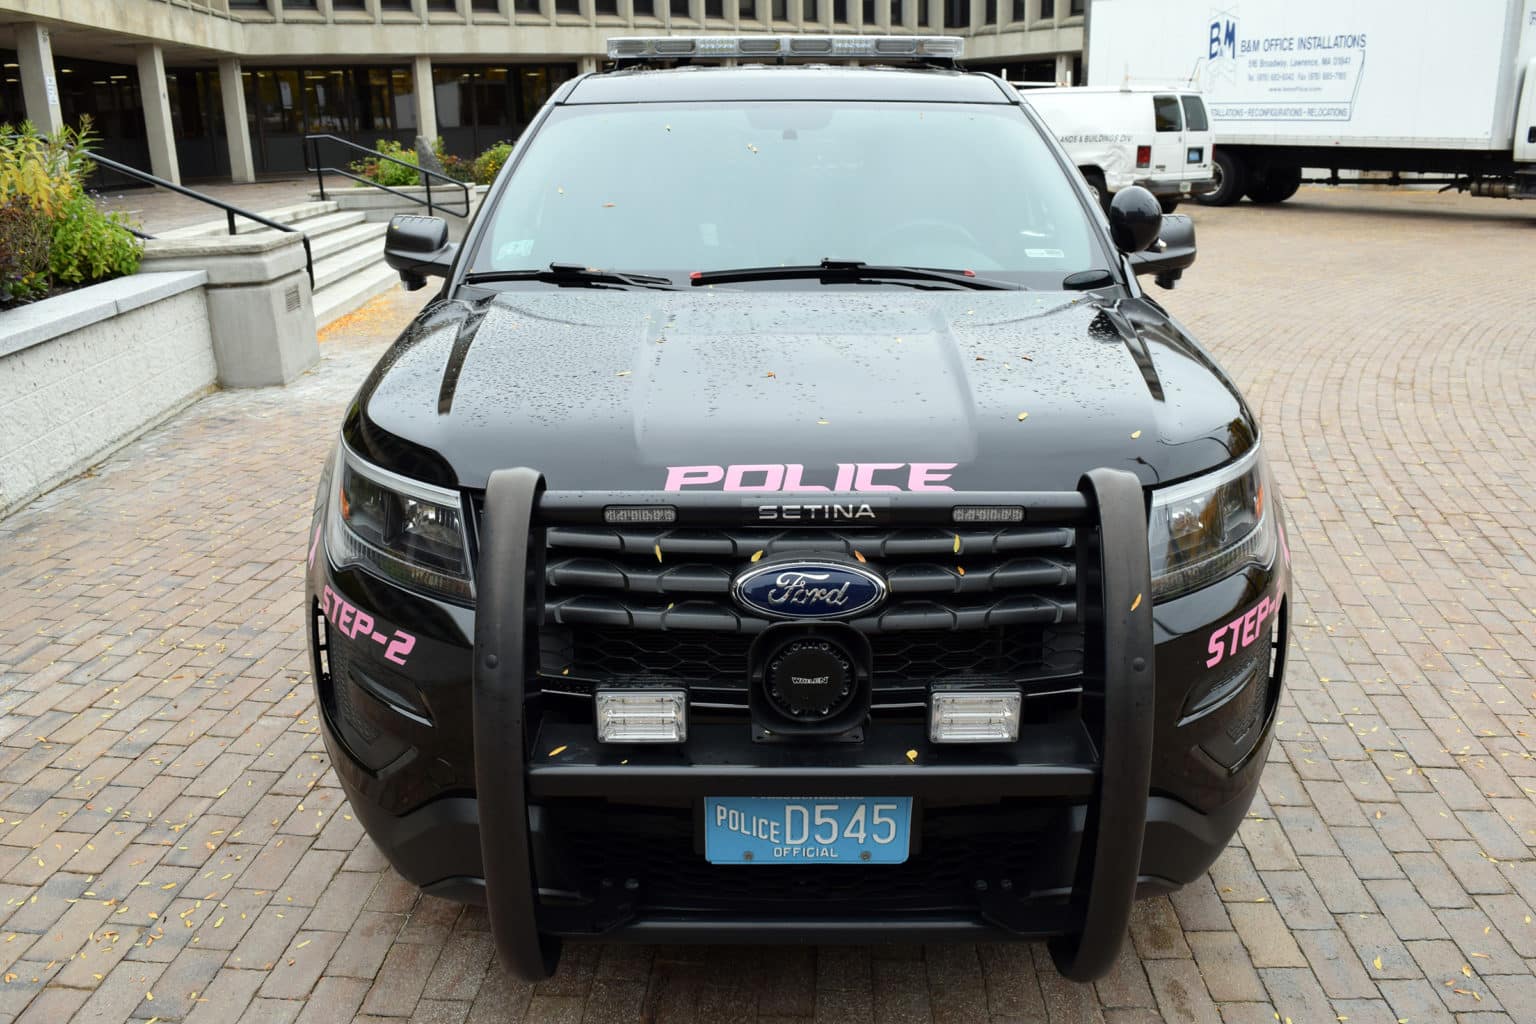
x: 351, y: 621
x: 849, y: 477
x: 1241, y: 632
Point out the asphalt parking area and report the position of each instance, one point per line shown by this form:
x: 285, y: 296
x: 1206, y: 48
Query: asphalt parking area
x: 174, y: 847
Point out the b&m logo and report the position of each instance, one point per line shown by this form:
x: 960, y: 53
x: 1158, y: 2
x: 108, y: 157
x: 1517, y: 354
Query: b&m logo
x: 1222, y: 36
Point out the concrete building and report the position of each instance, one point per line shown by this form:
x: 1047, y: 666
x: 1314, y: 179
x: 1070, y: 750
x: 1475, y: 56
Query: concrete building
x: 164, y: 80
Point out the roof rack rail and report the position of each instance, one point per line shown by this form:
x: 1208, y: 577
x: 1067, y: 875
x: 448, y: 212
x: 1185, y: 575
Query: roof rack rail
x: 941, y: 51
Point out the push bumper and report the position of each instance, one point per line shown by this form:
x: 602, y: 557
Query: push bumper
x: 1104, y: 770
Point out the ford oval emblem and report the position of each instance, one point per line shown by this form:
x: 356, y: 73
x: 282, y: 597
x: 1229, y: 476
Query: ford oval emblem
x: 808, y: 590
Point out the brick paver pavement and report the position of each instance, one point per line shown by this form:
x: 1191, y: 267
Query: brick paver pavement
x: 173, y: 845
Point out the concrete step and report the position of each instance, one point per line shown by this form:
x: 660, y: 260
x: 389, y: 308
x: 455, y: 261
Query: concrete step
x: 282, y: 215
x: 350, y: 292
x: 346, y: 263
x: 324, y: 224
x: 333, y: 242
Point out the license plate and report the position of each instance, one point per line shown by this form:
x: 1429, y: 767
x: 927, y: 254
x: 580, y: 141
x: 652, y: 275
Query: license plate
x: 807, y: 830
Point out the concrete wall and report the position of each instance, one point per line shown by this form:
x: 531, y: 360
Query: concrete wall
x: 84, y: 373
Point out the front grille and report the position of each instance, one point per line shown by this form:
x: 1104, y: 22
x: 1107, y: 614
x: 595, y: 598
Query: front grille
x: 657, y: 849
x: 990, y: 603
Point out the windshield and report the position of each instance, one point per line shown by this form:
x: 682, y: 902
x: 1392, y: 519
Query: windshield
x: 676, y: 188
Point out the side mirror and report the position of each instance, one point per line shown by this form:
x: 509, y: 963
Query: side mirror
x: 418, y: 247
x: 1135, y: 218
x: 1173, y: 252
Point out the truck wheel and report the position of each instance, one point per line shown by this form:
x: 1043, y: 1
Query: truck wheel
x: 1276, y: 186
x: 1168, y: 203
x: 1231, y: 176
x: 1100, y: 190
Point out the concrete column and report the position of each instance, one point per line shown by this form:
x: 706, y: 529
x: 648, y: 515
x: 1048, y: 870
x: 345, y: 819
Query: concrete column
x: 586, y: 65
x: 39, y: 87
x: 426, y: 99
x: 1064, y: 69
x: 237, y: 131
x: 157, y: 113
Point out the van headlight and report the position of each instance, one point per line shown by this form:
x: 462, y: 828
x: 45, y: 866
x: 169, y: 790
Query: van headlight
x: 1212, y: 527
x: 403, y: 530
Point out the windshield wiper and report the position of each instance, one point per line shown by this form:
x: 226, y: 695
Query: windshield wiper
x: 574, y: 275
x: 842, y: 271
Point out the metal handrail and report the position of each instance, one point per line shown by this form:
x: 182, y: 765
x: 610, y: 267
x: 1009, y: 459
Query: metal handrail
x: 312, y: 156
x: 231, y: 211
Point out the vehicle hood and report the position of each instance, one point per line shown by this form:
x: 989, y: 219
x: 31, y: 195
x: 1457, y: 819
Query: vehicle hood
x: 620, y: 390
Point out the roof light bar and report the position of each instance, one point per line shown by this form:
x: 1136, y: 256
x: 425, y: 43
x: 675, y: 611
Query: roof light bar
x: 841, y: 47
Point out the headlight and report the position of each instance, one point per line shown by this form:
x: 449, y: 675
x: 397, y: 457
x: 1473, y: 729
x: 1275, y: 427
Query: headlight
x: 406, y: 531
x: 1212, y: 527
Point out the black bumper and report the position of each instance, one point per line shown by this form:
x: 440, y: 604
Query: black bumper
x: 1105, y: 771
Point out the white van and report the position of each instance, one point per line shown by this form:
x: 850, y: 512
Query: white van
x: 1156, y: 137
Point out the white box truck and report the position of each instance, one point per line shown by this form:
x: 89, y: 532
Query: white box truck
x: 1447, y: 91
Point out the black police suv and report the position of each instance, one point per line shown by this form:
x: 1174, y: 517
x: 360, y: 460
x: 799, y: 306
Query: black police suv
x: 792, y: 521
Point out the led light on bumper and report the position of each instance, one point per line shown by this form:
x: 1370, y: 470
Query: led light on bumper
x: 642, y: 716
x: 974, y: 716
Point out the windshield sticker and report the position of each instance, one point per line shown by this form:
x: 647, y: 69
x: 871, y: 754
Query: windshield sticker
x: 1240, y: 632
x: 351, y: 621
x: 848, y: 477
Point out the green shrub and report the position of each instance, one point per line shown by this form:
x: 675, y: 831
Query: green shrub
x: 89, y: 244
x: 51, y: 230
x: 387, y: 172
x: 489, y: 164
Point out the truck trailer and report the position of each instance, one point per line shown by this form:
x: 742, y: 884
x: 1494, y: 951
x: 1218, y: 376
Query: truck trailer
x: 1445, y: 93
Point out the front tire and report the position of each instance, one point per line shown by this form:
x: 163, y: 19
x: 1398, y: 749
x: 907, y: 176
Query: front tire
x: 1231, y: 175
x: 1276, y: 185
x: 1100, y: 190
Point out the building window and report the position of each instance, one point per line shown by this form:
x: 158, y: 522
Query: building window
x: 840, y: 11
x: 480, y: 6
x: 567, y: 6
x: 895, y: 12
x: 608, y: 7
x: 869, y: 12
x: 480, y: 105
x: 746, y: 10
x: 248, y: 5
x: 1018, y: 10
x: 345, y: 5
x: 645, y: 8
x: 395, y: 5
x: 300, y: 5
x: 957, y: 13
x: 780, y: 10
x: 1076, y: 8
x: 680, y: 9
x: 807, y: 10
x: 1047, y: 9
x: 527, y: 7
x: 714, y: 8
x: 989, y: 13
x: 922, y: 13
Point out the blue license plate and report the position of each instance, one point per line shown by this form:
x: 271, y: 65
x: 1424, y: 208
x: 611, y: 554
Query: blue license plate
x: 807, y: 830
